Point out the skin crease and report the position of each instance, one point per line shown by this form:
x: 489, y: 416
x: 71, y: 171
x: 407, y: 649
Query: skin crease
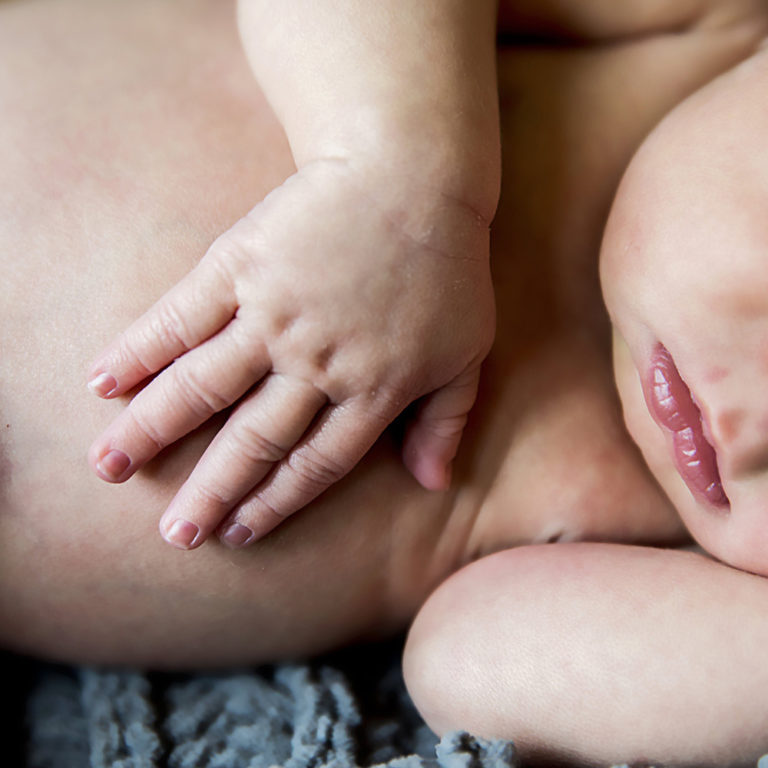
x: 361, y: 560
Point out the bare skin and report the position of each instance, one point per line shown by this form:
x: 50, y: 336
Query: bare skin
x: 128, y: 215
x: 684, y: 275
x: 587, y: 654
x: 595, y: 654
x: 357, y: 286
x: 111, y: 189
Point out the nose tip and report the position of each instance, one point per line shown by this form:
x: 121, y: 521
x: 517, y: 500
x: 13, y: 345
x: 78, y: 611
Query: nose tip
x: 726, y: 427
x: 740, y: 438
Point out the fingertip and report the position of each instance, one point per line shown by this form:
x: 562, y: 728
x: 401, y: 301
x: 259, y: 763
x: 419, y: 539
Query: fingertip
x: 435, y: 482
x: 429, y: 457
x: 432, y: 475
x: 236, y: 536
x: 103, y: 385
x: 182, y: 534
x: 114, y: 466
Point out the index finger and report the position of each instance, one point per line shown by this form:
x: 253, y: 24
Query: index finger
x: 188, y: 314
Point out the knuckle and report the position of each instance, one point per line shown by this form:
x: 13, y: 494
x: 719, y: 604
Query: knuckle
x: 262, y: 508
x: 207, y: 496
x: 150, y: 432
x: 448, y: 428
x: 222, y: 254
x: 132, y: 354
x: 232, y: 254
x: 170, y: 328
x: 315, y: 470
x: 251, y: 349
x: 388, y: 401
x: 255, y: 446
x: 322, y: 357
x: 198, y: 398
x: 281, y: 323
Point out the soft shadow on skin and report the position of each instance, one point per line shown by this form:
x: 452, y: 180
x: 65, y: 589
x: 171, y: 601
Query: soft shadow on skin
x: 5, y: 459
x: 553, y: 335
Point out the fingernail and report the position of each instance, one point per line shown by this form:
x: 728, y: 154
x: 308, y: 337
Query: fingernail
x: 182, y: 534
x: 113, y: 465
x: 103, y: 385
x: 236, y: 535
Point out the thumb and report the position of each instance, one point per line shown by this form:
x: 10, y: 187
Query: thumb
x: 432, y: 438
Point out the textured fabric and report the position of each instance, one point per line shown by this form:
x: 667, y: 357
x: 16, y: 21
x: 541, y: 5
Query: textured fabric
x: 347, y: 711
x: 288, y: 716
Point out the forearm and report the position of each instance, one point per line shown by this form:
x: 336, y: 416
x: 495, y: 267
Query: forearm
x: 602, y: 20
x: 408, y: 85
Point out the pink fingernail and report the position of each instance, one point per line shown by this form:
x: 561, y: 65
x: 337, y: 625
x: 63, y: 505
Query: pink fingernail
x: 103, y: 385
x: 182, y: 534
x: 236, y: 535
x: 113, y: 465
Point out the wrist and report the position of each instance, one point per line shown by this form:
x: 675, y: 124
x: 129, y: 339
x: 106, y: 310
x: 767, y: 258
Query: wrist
x: 414, y: 155
x: 426, y: 207
x: 409, y: 85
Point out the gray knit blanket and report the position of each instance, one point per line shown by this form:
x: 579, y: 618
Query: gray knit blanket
x: 344, y: 711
